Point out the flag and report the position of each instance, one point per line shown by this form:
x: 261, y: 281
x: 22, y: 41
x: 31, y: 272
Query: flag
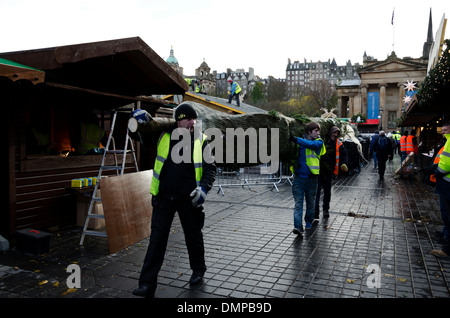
x: 392, y: 20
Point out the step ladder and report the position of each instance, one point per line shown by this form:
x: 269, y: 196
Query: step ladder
x: 110, y: 149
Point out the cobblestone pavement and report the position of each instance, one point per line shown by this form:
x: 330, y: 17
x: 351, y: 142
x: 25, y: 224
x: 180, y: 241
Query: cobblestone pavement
x: 375, y: 244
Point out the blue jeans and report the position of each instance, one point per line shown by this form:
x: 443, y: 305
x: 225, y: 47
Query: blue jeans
x: 304, y: 188
x: 374, y: 159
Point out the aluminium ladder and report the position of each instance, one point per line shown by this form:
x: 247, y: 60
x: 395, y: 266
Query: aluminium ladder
x: 119, y: 171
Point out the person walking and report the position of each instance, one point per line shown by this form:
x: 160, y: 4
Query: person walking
x: 335, y: 158
x: 178, y: 187
x: 442, y: 177
x: 234, y: 91
x: 372, y: 141
x: 306, y: 172
x: 383, y: 150
x: 396, y: 135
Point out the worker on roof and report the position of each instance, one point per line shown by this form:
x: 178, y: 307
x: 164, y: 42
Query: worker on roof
x: 191, y: 83
x: 235, y: 91
x: 200, y: 88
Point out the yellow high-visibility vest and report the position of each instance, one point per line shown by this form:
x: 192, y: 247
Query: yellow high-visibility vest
x: 162, y: 153
x: 444, y: 159
x: 313, y: 159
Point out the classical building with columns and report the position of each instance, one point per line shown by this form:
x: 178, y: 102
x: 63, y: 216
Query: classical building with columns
x: 380, y: 92
x: 383, y: 88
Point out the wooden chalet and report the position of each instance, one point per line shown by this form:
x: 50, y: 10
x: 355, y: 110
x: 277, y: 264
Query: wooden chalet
x: 46, y: 94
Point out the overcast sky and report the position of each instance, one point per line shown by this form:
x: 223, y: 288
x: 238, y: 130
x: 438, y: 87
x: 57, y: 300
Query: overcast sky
x: 262, y: 34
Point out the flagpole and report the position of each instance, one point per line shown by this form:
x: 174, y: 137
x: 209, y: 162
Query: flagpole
x: 393, y: 31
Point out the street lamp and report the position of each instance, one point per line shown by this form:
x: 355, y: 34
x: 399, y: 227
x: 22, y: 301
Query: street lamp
x: 380, y: 117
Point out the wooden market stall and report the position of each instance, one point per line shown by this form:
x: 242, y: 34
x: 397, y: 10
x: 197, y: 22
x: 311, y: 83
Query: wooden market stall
x: 83, y: 83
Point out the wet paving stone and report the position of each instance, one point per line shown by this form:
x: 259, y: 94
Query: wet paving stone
x: 251, y: 252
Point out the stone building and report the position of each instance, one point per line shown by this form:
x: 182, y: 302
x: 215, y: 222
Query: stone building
x: 380, y: 93
x: 202, y: 73
x: 382, y: 88
x: 246, y: 81
x: 300, y: 75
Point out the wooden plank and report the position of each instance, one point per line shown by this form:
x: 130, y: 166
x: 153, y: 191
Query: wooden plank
x: 127, y: 206
x: 409, y: 160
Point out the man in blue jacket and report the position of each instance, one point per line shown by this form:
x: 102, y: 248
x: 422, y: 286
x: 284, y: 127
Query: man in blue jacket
x: 235, y: 90
x: 306, y: 172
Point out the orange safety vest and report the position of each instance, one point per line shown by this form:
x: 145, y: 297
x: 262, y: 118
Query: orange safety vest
x: 336, y: 169
x: 403, y: 143
x: 409, y: 144
x: 436, y: 162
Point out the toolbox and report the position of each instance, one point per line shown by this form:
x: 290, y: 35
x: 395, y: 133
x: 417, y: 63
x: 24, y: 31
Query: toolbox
x: 33, y: 241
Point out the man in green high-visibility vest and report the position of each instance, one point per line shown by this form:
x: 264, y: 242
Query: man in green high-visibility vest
x: 178, y: 186
x: 306, y: 172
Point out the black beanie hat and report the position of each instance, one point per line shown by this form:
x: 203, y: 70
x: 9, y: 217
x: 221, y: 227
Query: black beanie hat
x: 185, y: 111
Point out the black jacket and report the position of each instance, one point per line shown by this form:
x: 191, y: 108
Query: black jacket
x: 328, y: 160
x: 177, y: 180
x: 383, y: 154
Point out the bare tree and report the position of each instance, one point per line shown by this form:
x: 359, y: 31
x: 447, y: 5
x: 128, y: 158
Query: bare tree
x: 323, y: 93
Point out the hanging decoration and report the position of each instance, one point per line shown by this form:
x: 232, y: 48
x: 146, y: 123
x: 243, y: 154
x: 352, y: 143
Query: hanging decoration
x: 410, y: 86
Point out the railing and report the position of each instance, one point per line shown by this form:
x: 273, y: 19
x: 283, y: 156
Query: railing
x: 252, y: 176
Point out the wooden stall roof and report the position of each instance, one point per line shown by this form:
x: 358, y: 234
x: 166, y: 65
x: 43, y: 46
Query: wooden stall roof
x: 116, y: 72
x: 416, y: 116
x: 16, y: 71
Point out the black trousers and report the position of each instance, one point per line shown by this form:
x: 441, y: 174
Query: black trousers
x: 230, y: 97
x: 381, y: 165
x: 192, y: 220
x: 325, y: 184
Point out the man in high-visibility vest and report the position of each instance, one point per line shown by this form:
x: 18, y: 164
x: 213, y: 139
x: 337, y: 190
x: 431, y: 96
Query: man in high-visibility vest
x: 403, y: 147
x: 411, y: 143
x: 178, y: 187
x: 442, y: 177
x: 306, y: 172
x: 200, y: 88
x: 191, y: 83
x: 445, y: 233
x: 334, y: 160
x: 396, y: 136
x: 235, y: 90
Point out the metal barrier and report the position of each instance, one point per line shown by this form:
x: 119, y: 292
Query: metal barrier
x: 252, y: 176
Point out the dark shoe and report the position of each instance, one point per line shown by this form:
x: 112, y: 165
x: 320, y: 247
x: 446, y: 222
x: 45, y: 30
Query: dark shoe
x: 144, y: 291
x: 326, y: 214
x: 297, y: 231
x: 196, y: 277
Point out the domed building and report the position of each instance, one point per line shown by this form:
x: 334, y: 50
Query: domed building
x: 173, y: 62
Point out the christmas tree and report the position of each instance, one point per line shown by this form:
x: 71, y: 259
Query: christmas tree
x: 435, y: 89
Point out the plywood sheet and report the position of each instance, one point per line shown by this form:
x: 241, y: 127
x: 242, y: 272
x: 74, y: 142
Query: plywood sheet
x: 127, y: 206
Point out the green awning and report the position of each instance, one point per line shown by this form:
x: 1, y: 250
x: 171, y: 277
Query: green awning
x: 16, y: 71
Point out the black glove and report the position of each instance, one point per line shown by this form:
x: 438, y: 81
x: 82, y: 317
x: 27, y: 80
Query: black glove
x: 292, y: 138
x: 438, y: 174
